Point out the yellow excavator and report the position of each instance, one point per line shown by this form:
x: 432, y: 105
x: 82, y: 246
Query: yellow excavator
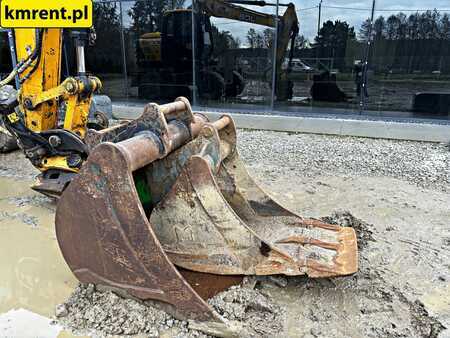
x: 164, y: 73
x: 160, y: 208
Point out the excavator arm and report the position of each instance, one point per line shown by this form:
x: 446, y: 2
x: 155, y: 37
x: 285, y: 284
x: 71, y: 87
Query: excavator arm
x: 31, y: 115
x: 288, y: 28
x: 230, y: 10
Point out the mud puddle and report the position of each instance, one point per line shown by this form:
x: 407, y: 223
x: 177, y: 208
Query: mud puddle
x: 34, y: 275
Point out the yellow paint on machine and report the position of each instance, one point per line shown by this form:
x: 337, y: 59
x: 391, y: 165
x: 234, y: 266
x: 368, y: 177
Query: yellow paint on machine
x: 46, y: 14
x: 46, y: 75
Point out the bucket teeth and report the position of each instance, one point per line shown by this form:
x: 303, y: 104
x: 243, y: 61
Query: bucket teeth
x: 171, y: 215
x: 205, y: 230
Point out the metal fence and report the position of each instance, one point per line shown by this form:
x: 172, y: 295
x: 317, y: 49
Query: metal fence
x: 373, y: 59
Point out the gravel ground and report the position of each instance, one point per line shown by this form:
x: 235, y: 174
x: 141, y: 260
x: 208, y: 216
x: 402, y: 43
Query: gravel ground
x: 89, y: 311
x: 310, y: 155
x: 397, y: 194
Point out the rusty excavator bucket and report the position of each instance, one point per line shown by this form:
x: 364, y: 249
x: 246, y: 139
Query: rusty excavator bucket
x: 172, y: 216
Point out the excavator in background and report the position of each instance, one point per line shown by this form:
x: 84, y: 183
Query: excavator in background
x: 160, y: 208
x: 165, y: 58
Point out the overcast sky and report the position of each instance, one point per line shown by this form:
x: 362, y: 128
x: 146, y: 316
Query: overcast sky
x: 307, y: 12
x: 355, y: 12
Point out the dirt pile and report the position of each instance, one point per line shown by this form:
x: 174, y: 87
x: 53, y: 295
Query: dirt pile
x: 261, y: 317
x: 103, y: 313
x: 346, y: 219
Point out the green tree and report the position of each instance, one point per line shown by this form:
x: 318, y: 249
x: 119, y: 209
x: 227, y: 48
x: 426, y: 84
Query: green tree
x: 223, y: 41
x: 397, y: 27
x: 268, y: 37
x: 256, y: 39
x: 364, y: 31
x: 445, y: 27
x: 379, y: 28
x: 251, y: 37
x: 259, y: 40
x: 333, y: 38
x: 147, y: 15
x: 107, y: 25
x: 413, y: 26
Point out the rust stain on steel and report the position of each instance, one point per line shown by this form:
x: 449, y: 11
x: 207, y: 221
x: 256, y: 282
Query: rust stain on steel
x: 208, y: 285
x: 245, y: 231
x: 107, y: 217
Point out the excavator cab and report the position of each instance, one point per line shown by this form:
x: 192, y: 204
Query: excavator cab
x: 176, y: 38
x: 166, y: 60
x: 176, y: 35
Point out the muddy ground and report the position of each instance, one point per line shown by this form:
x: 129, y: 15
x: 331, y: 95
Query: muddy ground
x: 400, y: 212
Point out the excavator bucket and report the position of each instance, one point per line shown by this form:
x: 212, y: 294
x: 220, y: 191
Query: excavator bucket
x: 172, y: 216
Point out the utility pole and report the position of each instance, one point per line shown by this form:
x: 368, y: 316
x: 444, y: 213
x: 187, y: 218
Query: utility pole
x: 362, y: 96
x: 124, y: 57
x: 318, y: 31
x: 318, y: 21
x: 274, y: 58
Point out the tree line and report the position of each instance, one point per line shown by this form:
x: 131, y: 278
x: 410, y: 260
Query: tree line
x: 415, y: 43
x: 418, y: 41
x: 429, y: 25
x: 265, y: 38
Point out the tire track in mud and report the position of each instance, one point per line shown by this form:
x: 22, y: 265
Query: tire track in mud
x: 378, y: 295
x: 369, y: 301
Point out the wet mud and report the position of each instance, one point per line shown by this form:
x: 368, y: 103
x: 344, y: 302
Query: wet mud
x: 402, y: 288
x: 366, y: 304
x: 346, y: 219
x: 102, y: 313
x: 33, y: 273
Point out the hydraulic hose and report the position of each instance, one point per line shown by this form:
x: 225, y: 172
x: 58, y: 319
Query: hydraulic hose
x: 9, y: 78
x: 21, y: 66
x: 36, y: 55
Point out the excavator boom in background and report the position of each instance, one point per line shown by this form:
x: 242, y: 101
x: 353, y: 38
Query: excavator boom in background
x: 165, y: 73
x: 160, y: 208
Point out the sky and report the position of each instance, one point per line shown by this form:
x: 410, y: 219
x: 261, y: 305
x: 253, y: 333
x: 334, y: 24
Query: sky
x: 355, y: 12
